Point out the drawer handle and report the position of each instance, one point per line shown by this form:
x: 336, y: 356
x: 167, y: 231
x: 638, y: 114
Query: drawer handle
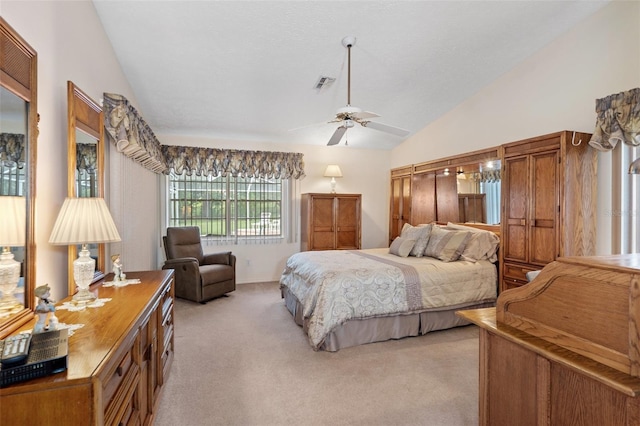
x: 119, y: 371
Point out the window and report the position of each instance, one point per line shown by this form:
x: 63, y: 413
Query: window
x: 226, y: 207
x: 12, y: 178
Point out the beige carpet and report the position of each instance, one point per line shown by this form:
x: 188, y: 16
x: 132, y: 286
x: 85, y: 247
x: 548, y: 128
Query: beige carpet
x: 241, y: 360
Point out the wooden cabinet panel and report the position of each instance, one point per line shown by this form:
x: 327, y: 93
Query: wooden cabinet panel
x: 515, y: 182
x: 472, y: 208
x: 347, y: 223
x: 511, y: 370
x: 322, y: 225
x: 544, y: 207
x: 446, y: 198
x: 330, y: 221
x: 423, y: 198
x: 400, y: 204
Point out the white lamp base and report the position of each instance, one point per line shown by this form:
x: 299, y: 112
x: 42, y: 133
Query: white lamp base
x: 9, y: 277
x: 83, y: 271
x: 333, y: 185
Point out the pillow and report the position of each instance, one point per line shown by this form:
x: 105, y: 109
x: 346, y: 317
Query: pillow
x: 446, y: 245
x: 418, y: 233
x: 401, y: 246
x: 483, y: 245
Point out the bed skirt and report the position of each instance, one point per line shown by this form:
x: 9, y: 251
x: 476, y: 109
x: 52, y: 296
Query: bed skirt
x: 368, y: 330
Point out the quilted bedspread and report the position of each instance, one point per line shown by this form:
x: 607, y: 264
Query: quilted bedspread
x: 338, y: 285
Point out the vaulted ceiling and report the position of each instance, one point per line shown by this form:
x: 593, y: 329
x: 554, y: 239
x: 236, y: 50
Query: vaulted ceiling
x: 247, y: 70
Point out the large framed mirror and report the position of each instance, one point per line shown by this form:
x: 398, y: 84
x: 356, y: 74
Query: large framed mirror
x: 18, y: 142
x: 85, y: 164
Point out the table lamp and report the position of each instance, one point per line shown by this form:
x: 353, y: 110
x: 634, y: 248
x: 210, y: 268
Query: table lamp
x: 84, y: 221
x: 333, y: 171
x: 12, y: 234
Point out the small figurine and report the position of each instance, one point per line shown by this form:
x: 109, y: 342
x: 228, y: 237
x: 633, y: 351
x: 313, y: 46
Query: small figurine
x: 117, y: 268
x: 45, y: 310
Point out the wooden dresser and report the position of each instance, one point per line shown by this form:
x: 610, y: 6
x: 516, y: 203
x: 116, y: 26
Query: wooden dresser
x: 117, y: 363
x: 330, y: 221
x: 564, y: 349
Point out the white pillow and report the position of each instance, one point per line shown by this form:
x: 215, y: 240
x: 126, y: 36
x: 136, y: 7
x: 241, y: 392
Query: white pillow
x: 418, y: 233
x: 401, y: 247
x: 483, y: 244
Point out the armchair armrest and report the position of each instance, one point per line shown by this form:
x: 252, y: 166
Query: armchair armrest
x: 222, y: 258
x: 187, y: 276
x: 181, y: 260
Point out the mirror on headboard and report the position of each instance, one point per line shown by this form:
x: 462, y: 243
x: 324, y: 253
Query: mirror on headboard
x: 18, y: 136
x: 85, y: 164
x: 479, y: 192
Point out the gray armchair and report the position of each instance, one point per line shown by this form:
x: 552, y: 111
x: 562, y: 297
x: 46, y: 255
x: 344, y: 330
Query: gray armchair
x: 199, y: 277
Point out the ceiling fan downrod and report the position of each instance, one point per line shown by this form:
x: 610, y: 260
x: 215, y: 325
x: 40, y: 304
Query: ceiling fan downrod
x: 348, y: 42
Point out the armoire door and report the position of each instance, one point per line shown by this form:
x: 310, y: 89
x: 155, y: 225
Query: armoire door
x: 322, y: 223
x: 347, y: 222
x: 544, y: 205
x: 447, y: 198
x: 515, y: 201
x: 423, y: 198
x: 400, y: 205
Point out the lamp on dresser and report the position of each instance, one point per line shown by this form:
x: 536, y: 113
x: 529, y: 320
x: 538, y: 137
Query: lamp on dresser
x: 333, y: 171
x: 12, y: 234
x: 84, y: 221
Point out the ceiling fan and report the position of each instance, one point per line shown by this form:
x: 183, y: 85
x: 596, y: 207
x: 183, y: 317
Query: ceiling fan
x: 350, y: 115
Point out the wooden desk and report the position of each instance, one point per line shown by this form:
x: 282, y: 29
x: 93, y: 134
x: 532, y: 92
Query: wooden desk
x: 554, y: 352
x: 117, y: 362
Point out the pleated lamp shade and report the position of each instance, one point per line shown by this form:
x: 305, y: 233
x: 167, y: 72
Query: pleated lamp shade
x: 12, y: 224
x: 84, y: 221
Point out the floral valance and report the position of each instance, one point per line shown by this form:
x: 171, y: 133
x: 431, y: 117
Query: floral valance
x: 130, y: 133
x: 221, y: 162
x: 490, y: 176
x: 86, y: 157
x: 618, y: 119
x: 12, y: 148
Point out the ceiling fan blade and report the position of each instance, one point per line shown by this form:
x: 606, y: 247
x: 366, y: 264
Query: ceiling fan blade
x: 365, y: 114
x: 385, y: 128
x: 337, y: 136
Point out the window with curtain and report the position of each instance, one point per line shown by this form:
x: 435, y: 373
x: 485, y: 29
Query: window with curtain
x: 229, y: 209
x: 625, y: 201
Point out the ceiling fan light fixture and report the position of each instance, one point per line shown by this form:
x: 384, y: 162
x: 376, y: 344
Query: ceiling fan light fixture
x: 349, y: 41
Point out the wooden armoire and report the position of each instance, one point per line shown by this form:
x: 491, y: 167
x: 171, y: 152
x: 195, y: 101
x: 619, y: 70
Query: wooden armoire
x: 548, y: 203
x: 330, y: 221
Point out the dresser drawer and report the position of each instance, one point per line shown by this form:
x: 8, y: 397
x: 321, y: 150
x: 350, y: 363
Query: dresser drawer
x: 119, y: 385
x: 516, y: 272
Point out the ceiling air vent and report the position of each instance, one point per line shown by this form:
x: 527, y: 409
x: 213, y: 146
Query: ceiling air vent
x: 323, y: 82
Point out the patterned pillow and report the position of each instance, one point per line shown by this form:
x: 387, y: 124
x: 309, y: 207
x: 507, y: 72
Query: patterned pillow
x: 418, y: 233
x: 401, y: 246
x: 446, y: 245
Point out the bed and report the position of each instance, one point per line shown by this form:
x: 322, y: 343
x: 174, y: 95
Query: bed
x: 344, y: 298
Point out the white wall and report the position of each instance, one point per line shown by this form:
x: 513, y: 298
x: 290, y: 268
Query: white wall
x: 365, y: 172
x: 71, y: 45
x: 553, y: 90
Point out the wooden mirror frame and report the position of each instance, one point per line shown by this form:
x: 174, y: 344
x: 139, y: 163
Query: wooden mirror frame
x: 84, y: 114
x: 18, y: 74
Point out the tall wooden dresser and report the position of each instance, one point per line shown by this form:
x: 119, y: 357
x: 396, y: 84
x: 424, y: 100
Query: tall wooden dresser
x: 117, y: 363
x: 330, y: 221
x: 564, y: 349
x: 548, y: 203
